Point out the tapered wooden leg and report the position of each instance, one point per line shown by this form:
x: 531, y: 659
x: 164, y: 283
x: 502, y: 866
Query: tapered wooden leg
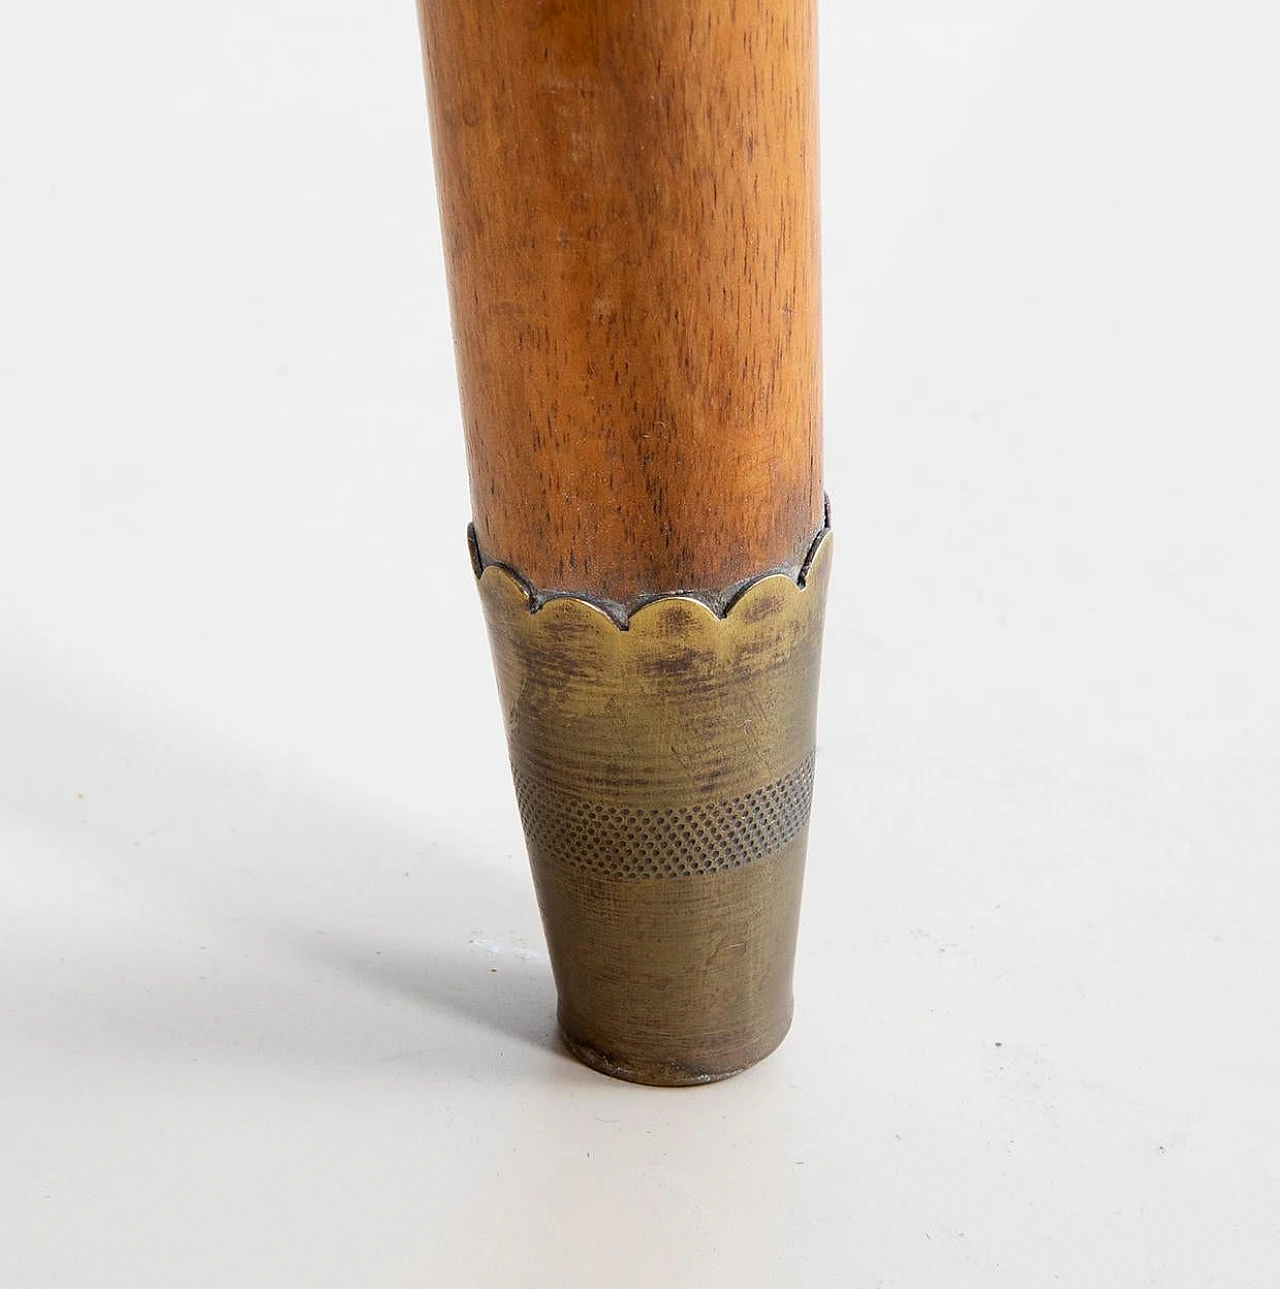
x: 628, y: 193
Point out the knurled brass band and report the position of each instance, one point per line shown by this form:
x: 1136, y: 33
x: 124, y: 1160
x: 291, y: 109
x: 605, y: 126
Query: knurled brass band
x: 674, y: 841
x: 664, y: 771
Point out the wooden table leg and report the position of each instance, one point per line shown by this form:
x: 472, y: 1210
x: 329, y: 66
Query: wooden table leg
x: 628, y: 193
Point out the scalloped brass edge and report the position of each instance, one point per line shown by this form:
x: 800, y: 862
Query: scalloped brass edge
x: 735, y: 602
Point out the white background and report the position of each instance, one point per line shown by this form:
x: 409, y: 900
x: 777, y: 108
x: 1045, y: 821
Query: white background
x: 274, y: 1009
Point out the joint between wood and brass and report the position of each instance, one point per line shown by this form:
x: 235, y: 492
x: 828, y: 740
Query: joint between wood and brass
x: 621, y: 612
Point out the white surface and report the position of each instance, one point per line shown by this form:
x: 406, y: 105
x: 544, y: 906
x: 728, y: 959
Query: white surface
x: 274, y: 1009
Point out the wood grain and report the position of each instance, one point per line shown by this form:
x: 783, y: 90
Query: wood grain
x: 628, y: 191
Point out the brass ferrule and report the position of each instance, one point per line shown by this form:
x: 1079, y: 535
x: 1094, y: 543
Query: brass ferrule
x: 664, y: 770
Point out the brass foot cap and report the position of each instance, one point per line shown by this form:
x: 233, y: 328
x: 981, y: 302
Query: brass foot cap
x: 661, y: 1074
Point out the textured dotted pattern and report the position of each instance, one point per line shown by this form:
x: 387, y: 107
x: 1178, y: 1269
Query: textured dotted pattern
x: 689, y: 841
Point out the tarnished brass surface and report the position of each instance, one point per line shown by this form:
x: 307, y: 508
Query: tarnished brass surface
x: 664, y: 772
